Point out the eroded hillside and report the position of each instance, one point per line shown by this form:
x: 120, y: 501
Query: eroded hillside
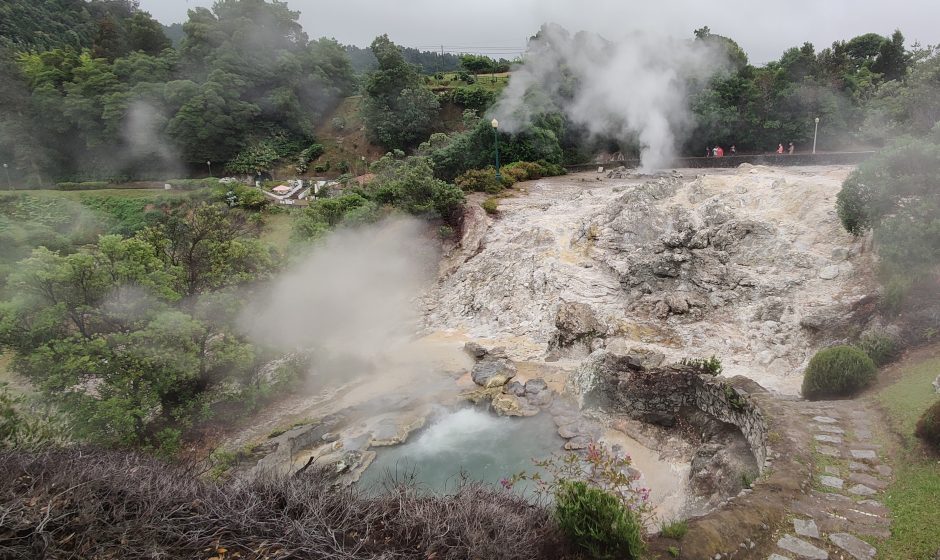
x: 746, y: 264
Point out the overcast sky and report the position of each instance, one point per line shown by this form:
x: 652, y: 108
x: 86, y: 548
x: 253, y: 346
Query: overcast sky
x: 500, y: 27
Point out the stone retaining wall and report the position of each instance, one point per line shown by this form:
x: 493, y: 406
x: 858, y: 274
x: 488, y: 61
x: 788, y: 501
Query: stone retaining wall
x: 730, y: 404
x: 658, y: 395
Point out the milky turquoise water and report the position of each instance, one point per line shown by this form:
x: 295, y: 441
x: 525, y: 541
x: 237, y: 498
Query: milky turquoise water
x: 483, y: 446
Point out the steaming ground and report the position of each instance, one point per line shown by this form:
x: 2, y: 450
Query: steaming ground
x: 732, y: 263
x: 718, y: 262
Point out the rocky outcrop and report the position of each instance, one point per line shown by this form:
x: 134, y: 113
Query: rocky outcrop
x: 731, y: 429
x: 473, y: 229
x: 576, y: 322
x: 728, y: 264
x: 493, y: 371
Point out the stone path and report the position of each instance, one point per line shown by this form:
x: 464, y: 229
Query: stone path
x: 844, y: 506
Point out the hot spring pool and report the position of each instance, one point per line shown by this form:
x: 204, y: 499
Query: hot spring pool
x: 485, y: 447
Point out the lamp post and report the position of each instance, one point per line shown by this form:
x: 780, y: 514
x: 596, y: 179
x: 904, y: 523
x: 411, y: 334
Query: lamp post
x: 6, y: 168
x: 209, y: 163
x: 815, y: 133
x: 495, y: 124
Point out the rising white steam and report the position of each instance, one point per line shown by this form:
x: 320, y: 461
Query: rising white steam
x: 635, y: 90
x: 145, y: 141
x: 354, y: 296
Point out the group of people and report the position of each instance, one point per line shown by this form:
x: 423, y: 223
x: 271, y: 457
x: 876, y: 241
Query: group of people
x: 718, y: 151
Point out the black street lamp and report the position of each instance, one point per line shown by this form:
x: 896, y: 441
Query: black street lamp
x: 495, y: 124
x: 209, y: 163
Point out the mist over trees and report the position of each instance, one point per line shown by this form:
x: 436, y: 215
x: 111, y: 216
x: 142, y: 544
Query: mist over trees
x: 756, y: 108
x: 117, y: 101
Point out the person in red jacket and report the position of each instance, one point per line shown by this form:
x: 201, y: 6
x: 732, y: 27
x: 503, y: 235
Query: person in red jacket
x: 779, y: 148
x: 721, y: 152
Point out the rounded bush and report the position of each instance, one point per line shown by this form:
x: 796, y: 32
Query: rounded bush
x: 598, y: 523
x: 837, y: 372
x: 880, y: 347
x: 479, y: 180
x: 928, y: 427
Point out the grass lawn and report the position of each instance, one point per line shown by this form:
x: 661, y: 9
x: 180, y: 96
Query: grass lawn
x: 914, y: 497
x: 108, y: 193
x: 277, y: 230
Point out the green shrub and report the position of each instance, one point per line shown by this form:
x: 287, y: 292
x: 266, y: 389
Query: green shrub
x: 254, y: 158
x: 896, y: 288
x: 479, y: 180
x: 706, y: 366
x: 491, y: 205
x: 473, y: 97
x: 852, y: 204
x: 550, y: 169
x: 446, y: 232
x: 881, y: 348
x: 674, y: 529
x: 928, y: 427
x: 308, y: 155
x: 837, y: 372
x: 528, y: 170
x: 516, y: 174
x: 596, y: 522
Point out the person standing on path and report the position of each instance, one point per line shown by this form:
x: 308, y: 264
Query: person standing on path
x: 791, y: 148
x: 779, y: 148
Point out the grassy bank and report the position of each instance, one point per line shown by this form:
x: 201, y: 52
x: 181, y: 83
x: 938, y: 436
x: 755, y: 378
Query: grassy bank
x: 914, y: 497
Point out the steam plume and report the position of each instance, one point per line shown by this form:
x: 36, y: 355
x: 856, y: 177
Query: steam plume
x: 353, y: 296
x: 635, y: 90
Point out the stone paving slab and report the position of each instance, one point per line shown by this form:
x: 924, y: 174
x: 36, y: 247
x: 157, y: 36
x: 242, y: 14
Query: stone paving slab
x: 831, y: 481
x: 828, y: 438
x: 859, y: 549
x: 828, y: 428
x: 863, y: 454
x: 856, y: 466
x: 825, y: 419
x: 868, y: 480
x: 806, y: 528
x: 776, y: 556
x: 884, y: 470
x: 837, y: 525
x: 862, y: 490
x: 829, y: 450
x: 802, y: 548
x: 829, y: 500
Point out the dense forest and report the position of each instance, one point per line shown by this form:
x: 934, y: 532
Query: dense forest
x: 96, y: 90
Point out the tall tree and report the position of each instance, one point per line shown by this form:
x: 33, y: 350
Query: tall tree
x: 398, y: 109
